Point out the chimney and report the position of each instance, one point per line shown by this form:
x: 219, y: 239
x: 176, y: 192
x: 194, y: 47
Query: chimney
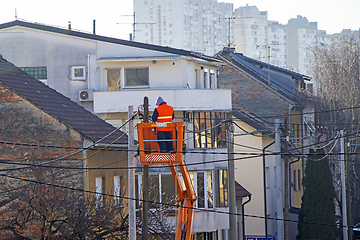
x: 94, y: 21
x: 227, y: 50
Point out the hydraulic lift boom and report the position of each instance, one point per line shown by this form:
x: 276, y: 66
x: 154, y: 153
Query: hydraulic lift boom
x: 150, y: 155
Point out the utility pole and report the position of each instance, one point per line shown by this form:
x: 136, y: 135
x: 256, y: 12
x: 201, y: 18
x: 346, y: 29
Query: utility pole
x: 343, y: 187
x: 348, y: 198
x: 279, y: 183
x: 145, y: 213
x: 131, y: 171
x: 231, y: 169
x: 286, y: 181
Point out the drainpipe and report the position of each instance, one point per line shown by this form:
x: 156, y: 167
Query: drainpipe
x: 243, y: 217
x: 264, y: 181
x: 88, y: 69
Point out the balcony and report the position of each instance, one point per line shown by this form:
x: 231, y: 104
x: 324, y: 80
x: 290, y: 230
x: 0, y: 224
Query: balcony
x: 180, y: 99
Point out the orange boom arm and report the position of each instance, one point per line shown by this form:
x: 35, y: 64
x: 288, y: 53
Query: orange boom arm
x: 150, y: 155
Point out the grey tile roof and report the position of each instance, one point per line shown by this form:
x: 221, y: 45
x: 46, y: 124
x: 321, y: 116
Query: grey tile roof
x: 249, y: 66
x: 57, y: 105
x: 79, y: 34
x: 252, y: 96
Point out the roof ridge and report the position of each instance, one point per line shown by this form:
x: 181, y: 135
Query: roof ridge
x: 96, y: 37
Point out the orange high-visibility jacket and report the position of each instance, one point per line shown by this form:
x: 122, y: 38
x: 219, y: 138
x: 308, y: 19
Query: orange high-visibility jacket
x: 165, y: 114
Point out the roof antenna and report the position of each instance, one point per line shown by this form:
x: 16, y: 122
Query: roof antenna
x: 15, y: 14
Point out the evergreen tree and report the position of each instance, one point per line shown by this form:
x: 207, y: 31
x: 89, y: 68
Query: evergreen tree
x: 318, y: 200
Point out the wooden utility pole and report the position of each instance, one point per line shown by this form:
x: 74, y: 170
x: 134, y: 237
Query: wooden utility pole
x: 231, y: 169
x: 348, y: 196
x: 131, y: 171
x: 343, y: 187
x: 279, y: 183
x: 145, y: 182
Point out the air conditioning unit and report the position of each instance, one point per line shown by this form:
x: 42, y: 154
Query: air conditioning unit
x: 86, y: 95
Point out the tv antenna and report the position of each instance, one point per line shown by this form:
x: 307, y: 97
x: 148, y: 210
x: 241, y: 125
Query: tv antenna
x: 133, y: 24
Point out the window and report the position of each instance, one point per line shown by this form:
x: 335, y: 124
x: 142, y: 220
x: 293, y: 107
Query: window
x: 299, y: 179
x: 200, y: 190
x: 209, y: 188
x: 77, y: 73
x: 158, y: 183
x: 113, y: 79
x: 204, y: 189
x: 197, y: 78
x: 40, y: 73
x: 205, y: 186
x: 294, y: 179
x: 205, y: 80
x: 99, y: 189
x: 221, y: 188
x: 117, y: 191
x: 168, y: 189
x: 136, y: 77
x: 212, y: 80
x: 209, y: 130
x: 154, y: 191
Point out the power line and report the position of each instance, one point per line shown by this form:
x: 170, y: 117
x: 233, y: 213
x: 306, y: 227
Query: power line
x: 306, y: 113
x: 251, y: 155
x: 77, y: 152
x: 294, y: 114
x: 161, y: 203
x: 86, y: 148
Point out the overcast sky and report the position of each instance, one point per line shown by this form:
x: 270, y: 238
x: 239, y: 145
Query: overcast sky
x: 111, y: 19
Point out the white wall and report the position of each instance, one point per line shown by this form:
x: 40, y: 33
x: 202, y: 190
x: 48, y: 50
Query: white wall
x: 33, y: 48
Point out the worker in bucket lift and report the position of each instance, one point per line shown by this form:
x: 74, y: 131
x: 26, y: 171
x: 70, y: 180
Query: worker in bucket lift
x: 162, y: 115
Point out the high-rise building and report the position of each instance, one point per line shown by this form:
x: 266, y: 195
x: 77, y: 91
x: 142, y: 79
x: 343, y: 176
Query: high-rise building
x: 250, y: 32
x: 257, y: 37
x: 277, y: 43
x: 196, y: 25
x: 301, y: 36
x: 287, y: 46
